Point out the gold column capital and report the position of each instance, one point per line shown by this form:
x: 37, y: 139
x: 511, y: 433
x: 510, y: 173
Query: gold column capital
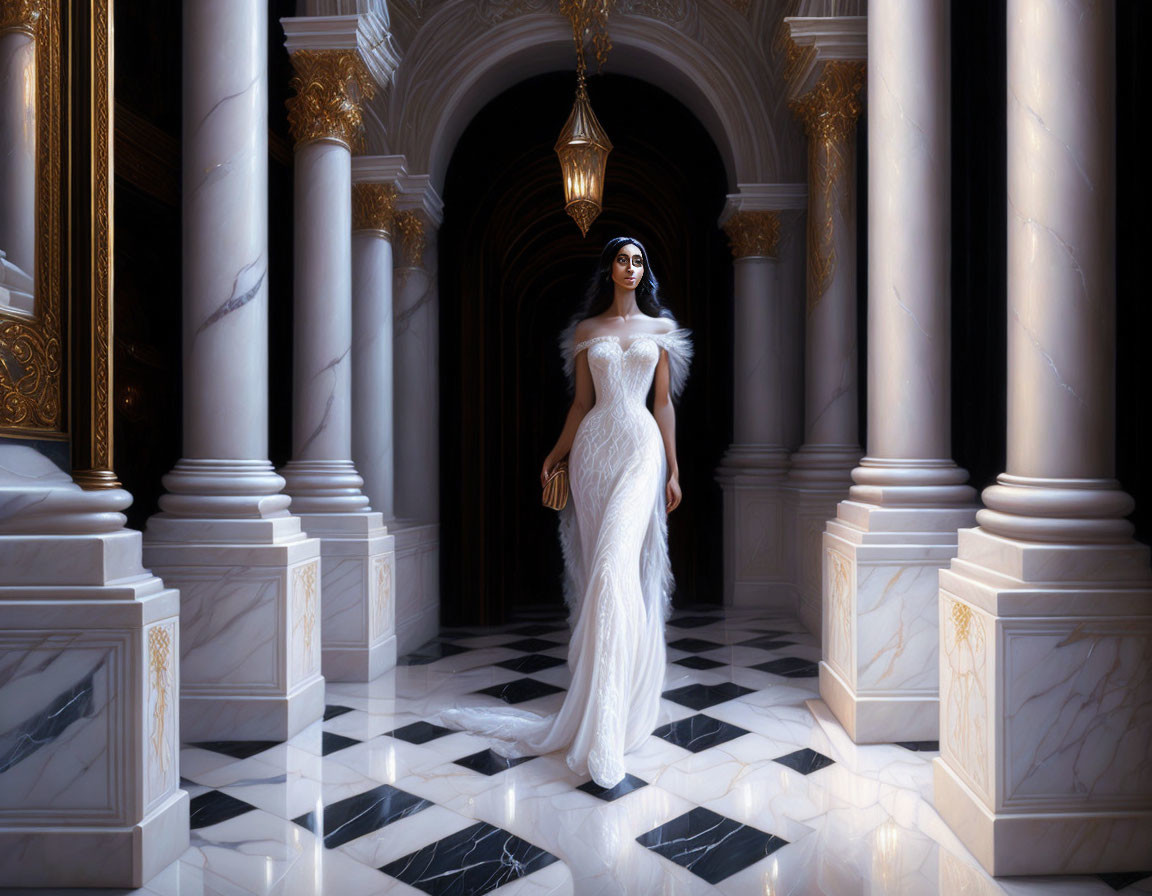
x: 374, y: 208
x: 330, y: 87
x: 410, y: 226
x: 20, y: 15
x: 753, y: 234
x: 830, y: 109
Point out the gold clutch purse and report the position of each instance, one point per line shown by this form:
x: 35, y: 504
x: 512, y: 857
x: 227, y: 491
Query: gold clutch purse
x: 556, y: 487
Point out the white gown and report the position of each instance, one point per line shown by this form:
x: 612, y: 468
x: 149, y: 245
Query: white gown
x: 617, y: 575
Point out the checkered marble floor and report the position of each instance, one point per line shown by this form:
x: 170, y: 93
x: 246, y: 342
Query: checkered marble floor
x: 747, y: 786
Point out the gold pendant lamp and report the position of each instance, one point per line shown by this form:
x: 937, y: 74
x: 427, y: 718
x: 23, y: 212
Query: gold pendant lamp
x: 583, y: 146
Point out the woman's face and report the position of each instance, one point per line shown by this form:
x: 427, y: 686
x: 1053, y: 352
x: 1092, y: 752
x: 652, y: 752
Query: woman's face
x: 628, y: 266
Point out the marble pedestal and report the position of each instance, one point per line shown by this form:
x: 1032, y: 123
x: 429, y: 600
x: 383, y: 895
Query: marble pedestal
x: 1045, y: 760
x: 250, y: 617
x: 357, y: 586
x: 880, y: 672
x: 757, y: 570
x: 89, y: 728
x: 417, y: 583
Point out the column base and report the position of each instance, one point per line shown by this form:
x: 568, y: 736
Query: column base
x: 757, y: 570
x: 1046, y: 704
x: 96, y: 856
x: 1060, y: 842
x: 881, y: 631
x: 251, y: 626
x: 359, y: 614
x: 883, y: 719
x: 417, y: 583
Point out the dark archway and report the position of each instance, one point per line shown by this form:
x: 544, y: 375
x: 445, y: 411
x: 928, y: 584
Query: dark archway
x: 512, y: 269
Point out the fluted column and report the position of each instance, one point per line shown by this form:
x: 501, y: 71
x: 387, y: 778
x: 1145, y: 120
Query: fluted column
x: 358, y: 630
x: 373, y: 225
x: 18, y: 25
x: 754, y: 467
x: 883, y: 551
x: 1046, y: 614
x: 246, y: 571
x: 825, y: 69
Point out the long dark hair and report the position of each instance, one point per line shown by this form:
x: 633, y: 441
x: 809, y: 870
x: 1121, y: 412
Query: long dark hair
x: 601, y: 290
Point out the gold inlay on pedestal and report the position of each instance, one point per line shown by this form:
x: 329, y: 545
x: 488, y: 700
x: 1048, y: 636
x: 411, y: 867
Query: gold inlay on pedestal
x: 753, y: 234
x: 331, y: 87
x: 374, y: 207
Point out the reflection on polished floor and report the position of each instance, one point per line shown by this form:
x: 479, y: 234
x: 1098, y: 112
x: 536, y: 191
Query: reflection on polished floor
x: 747, y: 787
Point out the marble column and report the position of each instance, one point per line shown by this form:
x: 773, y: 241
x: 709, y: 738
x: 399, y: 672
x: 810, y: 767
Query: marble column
x: 247, y: 573
x: 819, y: 475
x: 417, y: 404
x: 89, y: 680
x: 755, y: 569
x: 373, y: 213
x: 1045, y: 760
x: 883, y: 552
x: 359, y: 642
x: 18, y: 24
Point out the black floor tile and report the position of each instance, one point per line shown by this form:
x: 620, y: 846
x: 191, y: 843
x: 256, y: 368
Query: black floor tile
x: 774, y: 633
x: 488, y: 763
x: 419, y: 732
x: 331, y: 712
x: 237, y: 749
x: 430, y: 653
x: 805, y: 761
x: 709, y: 845
x: 608, y: 794
x: 692, y: 621
x: 538, y: 628
x: 333, y: 743
x: 361, y: 814
x: 532, y: 645
x: 698, y: 662
x: 214, y: 807
x: 791, y: 667
x: 766, y: 642
x: 701, y: 696
x: 1120, y: 881
x: 532, y: 662
x: 473, y: 861
x: 698, y: 732
x: 694, y: 645
x: 520, y: 690
x: 920, y: 746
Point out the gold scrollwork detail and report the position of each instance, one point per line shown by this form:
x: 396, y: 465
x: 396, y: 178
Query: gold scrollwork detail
x: 29, y: 376
x: 962, y: 619
x: 964, y: 694
x: 160, y: 666
x: 304, y: 587
x: 410, y: 226
x: 102, y: 249
x: 330, y: 87
x: 829, y: 113
x: 753, y: 234
x: 374, y: 207
x: 20, y: 15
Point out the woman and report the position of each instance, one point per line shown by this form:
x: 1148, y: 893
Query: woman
x: 624, y: 481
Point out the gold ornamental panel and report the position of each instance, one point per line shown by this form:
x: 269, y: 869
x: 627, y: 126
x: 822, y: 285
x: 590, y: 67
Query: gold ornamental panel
x: 331, y: 86
x: 753, y: 234
x: 374, y: 207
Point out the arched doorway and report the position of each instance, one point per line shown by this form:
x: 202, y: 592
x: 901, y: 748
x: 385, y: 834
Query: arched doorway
x: 512, y: 269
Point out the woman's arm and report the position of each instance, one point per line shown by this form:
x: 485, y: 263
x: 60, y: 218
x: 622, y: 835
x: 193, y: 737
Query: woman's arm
x: 581, y: 404
x: 665, y: 415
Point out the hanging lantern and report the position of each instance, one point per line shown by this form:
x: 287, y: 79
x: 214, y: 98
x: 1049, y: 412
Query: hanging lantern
x: 583, y: 146
x: 583, y: 149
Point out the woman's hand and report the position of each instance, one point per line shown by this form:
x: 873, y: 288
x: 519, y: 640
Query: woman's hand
x: 672, y: 492
x: 549, y: 465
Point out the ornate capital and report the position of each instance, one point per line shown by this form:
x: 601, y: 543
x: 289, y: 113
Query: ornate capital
x: 330, y: 86
x: 753, y: 234
x: 20, y: 15
x: 410, y: 226
x: 829, y: 111
x: 374, y: 207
